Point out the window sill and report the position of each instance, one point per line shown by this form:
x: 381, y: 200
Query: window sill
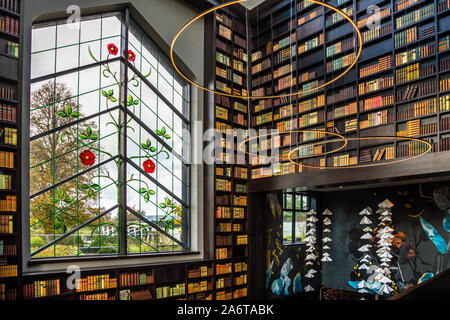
x: 40, y: 261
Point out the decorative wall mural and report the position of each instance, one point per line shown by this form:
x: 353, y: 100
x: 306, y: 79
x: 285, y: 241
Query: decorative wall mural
x: 399, y: 247
x: 294, y: 268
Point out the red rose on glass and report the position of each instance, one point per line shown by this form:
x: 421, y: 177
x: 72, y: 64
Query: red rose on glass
x: 87, y: 158
x: 112, y: 49
x: 149, y: 166
x: 131, y: 56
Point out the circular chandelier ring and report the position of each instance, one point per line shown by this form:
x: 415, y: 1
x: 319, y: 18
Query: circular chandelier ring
x: 429, y: 147
x: 177, y: 35
x: 342, y: 138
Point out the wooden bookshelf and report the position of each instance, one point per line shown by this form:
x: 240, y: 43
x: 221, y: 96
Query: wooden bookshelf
x: 10, y: 244
x: 403, y: 67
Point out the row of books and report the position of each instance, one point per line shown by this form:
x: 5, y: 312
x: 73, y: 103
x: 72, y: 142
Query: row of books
x: 376, y: 102
x: 342, y: 161
x: 414, y: 148
x: 202, y: 271
x: 96, y: 297
x: 135, y: 279
x: 443, y: 5
x: 261, y: 119
x: 402, y: 4
x: 311, y: 118
x: 9, y: 135
x: 340, y: 46
x: 6, y: 224
x: 6, y: 160
x: 223, y: 241
x: 311, y: 44
x: 380, y: 15
x: 406, y: 36
x: 170, y: 291
x: 444, y: 43
x: 263, y: 65
x: 444, y: 64
x: 6, y: 181
x: 7, y: 93
x: 7, y: 249
x: 240, y: 54
x: 445, y: 144
x: 225, y: 213
x: 285, y: 54
x: 127, y: 294
x: 412, y: 129
x: 414, y: 54
x: 376, y: 119
x: 262, y: 52
x: 9, y: 204
x: 284, y: 42
x: 242, y: 279
x: 45, y: 288
x: 7, y: 112
x: 8, y: 271
x: 342, y: 111
x: 11, y: 5
x: 374, y: 33
x: 376, y: 84
x: 263, y: 78
x: 12, y: 49
x: 285, y: 82
x: 194, y: 287
x: 413, y: 72
x: 415, y: 16
x: 224, y: 282
x: 416, y: 90
x: 240, y: 188
x: 444, y: 84
x: 343, y: 94
x: 241, y: 239
x: 311, y: 104
x: 351, y: 125
x: 418, y: 109
x: 340, y: 62
x: 383, y: 63
x: 445, y: 124
x: 336, y: 17
x: 7, y: 294
x: 9, y: 24
x: 222, y: 18
x: 366, y: 154
x: 309, y: 16
x: 223, y: 185
x: 224, y: 32
x: 95, y: 282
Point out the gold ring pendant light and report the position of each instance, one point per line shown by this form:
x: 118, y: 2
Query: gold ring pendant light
x: 426, y: 143
x: 227, y: 4
x: 342, y: 139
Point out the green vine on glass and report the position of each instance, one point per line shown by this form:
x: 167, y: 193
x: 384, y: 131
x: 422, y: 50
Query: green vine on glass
x: 89, y: 142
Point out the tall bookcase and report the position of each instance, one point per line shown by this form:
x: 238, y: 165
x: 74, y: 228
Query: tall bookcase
x: 230, y: 179
x: 10, y: 258
x: 399, y: 85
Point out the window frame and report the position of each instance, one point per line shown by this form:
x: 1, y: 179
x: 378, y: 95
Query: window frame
x: 124, y: 210
x: 294, y: 193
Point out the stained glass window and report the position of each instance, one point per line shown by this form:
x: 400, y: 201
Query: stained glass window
x: 109, y: 128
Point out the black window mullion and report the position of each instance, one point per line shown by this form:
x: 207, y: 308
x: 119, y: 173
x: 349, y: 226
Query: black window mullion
x: 123, y: 141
